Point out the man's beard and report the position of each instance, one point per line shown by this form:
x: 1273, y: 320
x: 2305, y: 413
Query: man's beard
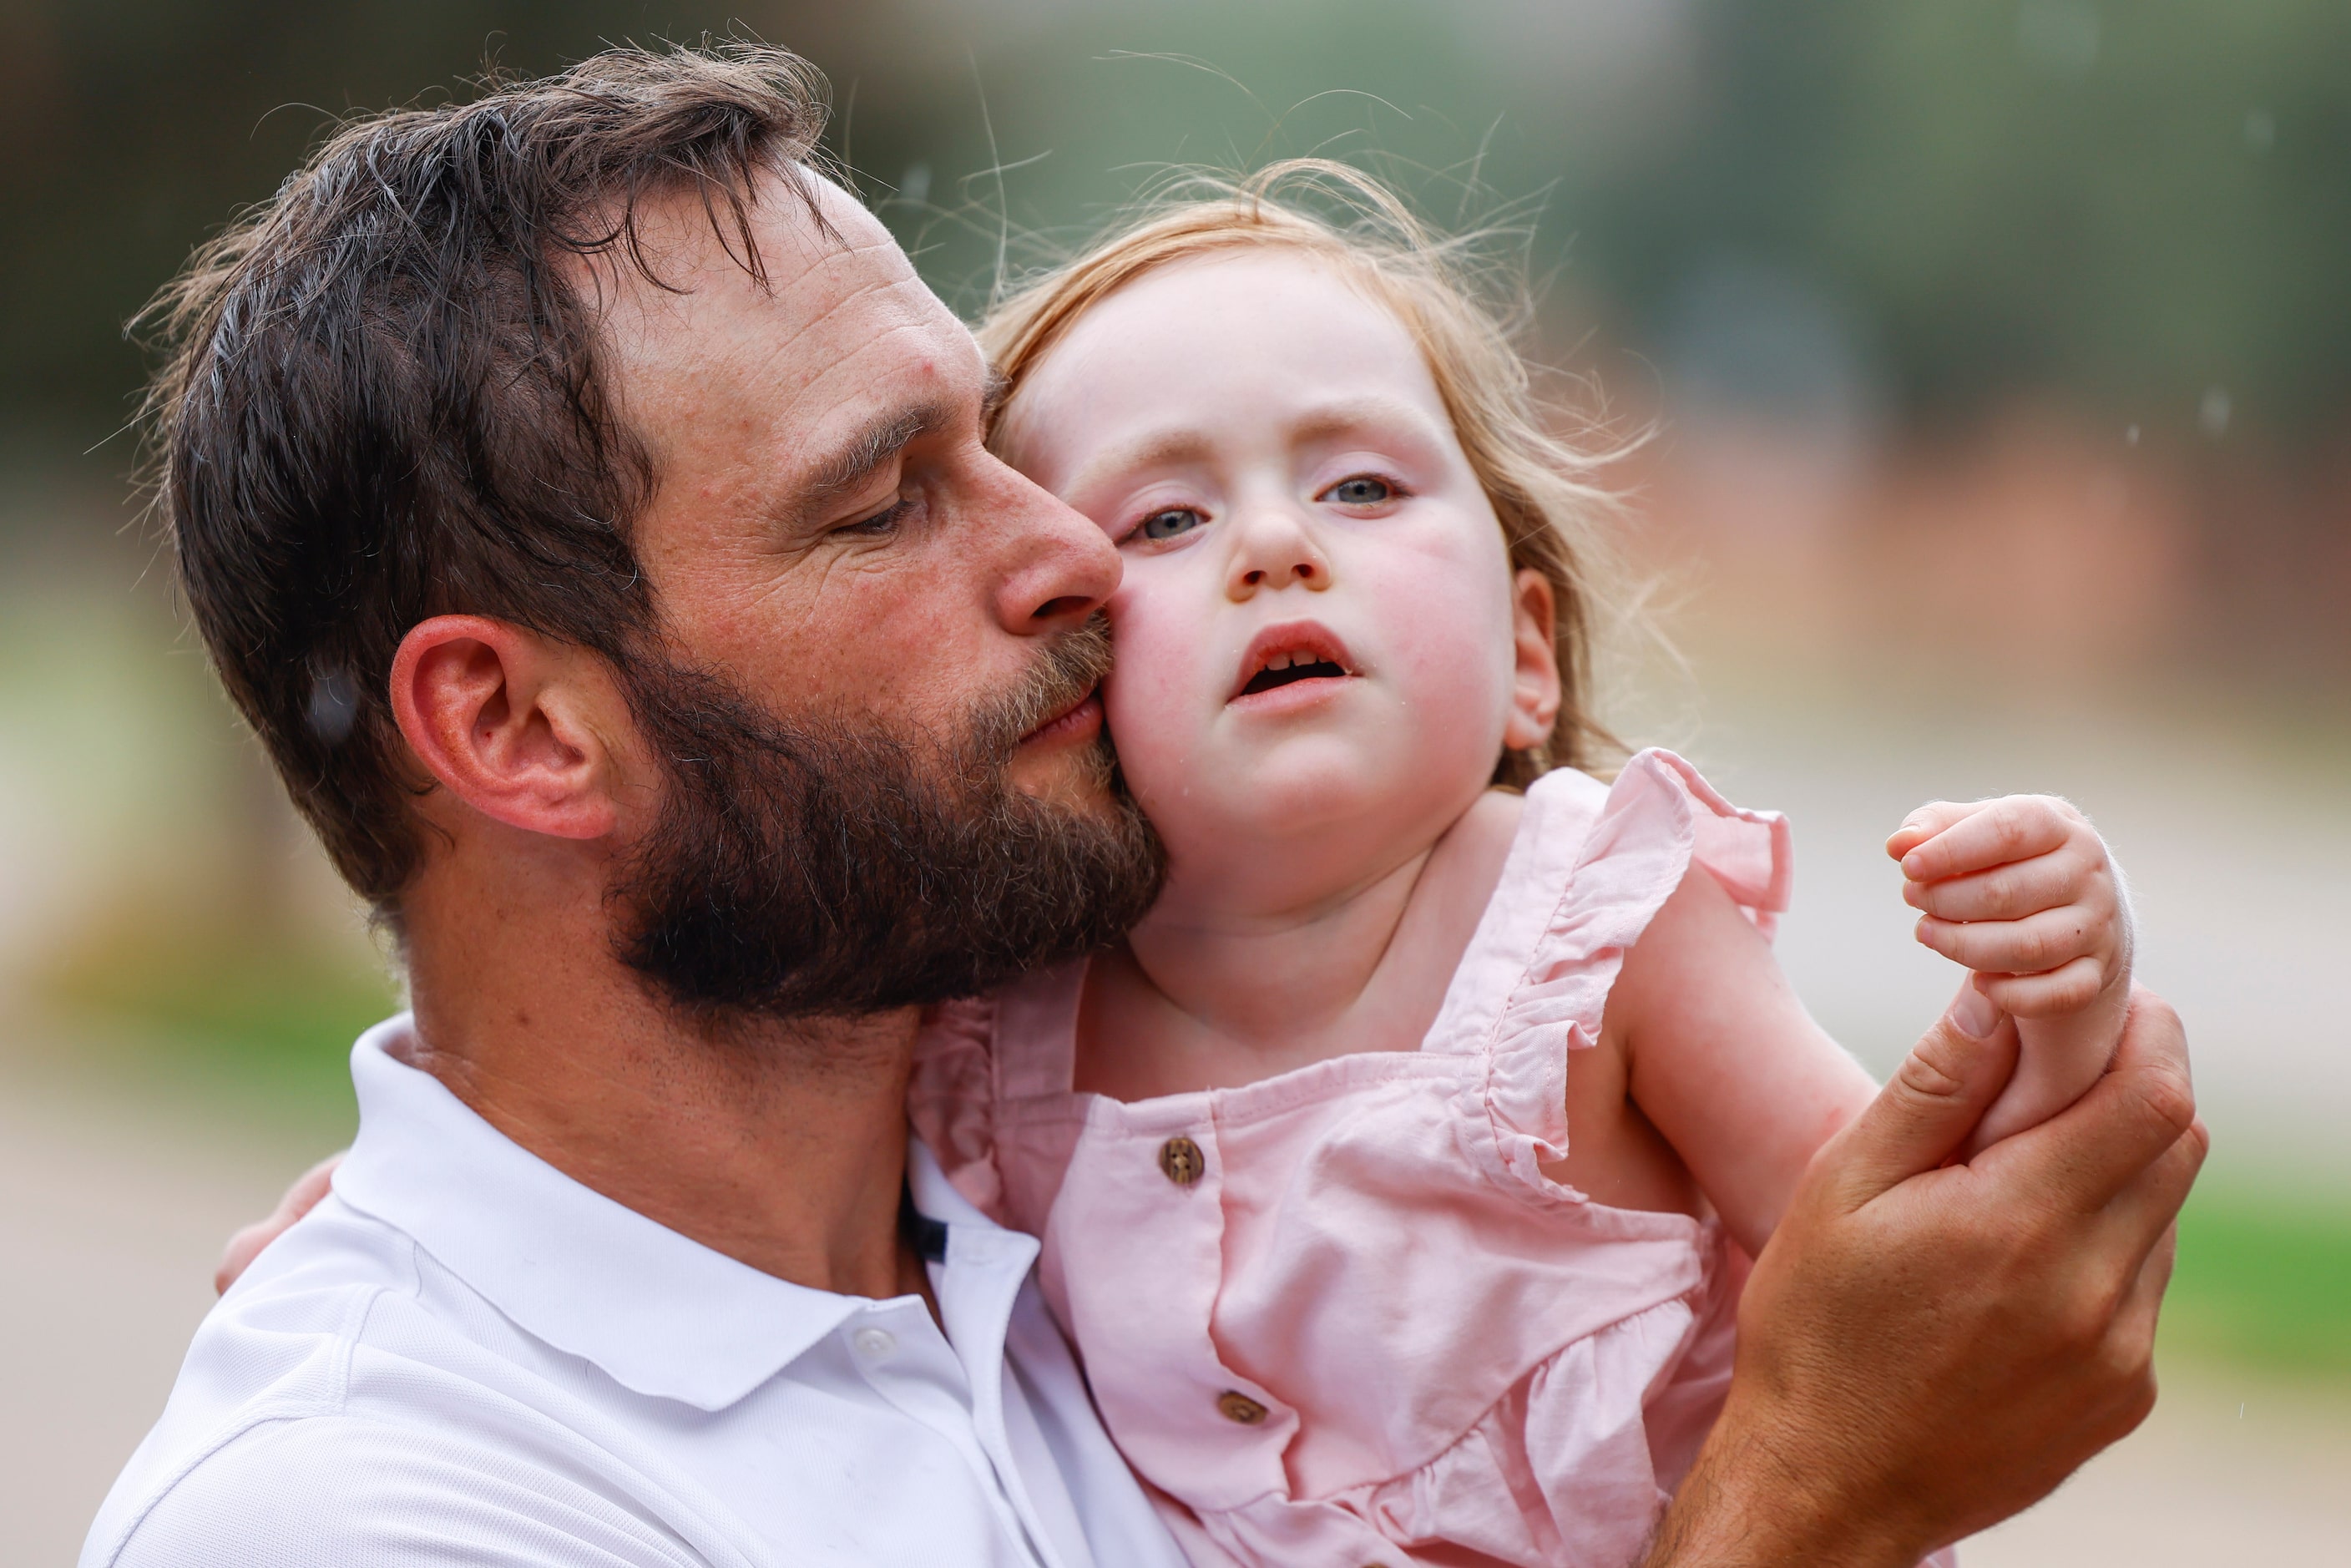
x: 833, y: 868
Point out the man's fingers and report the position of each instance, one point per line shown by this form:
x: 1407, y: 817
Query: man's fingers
x: 2134, y: 1321
x: 2089, y: 1154
x: 2014, y: 827
x: 1933, y: 1101
x: 2148, y: 1209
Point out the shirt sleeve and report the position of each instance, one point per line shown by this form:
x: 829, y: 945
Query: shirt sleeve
x: 345, y: 1492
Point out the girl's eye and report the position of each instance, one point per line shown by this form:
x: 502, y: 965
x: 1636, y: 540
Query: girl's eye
x: 1170, y: 523
x: 1362, y: 490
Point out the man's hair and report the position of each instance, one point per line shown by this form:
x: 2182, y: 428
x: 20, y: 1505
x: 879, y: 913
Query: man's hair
x: 382, y: 401
x: 1544, y: 490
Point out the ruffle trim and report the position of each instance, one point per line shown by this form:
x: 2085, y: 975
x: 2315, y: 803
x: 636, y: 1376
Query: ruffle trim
x: 1660, y: 818
x: 951, y: 1099
x: 1560, y: 1469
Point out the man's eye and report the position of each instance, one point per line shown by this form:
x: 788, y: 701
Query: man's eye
x: 1362, y: 490
x: 1168, y: 524
x: 881, y: 522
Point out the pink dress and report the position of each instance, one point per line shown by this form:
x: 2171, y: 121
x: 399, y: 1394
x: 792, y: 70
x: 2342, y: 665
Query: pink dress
x: 1341, y: 1317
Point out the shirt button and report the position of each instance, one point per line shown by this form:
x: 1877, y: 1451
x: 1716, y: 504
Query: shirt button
x: 874, y: 1345
x: 1182, y: 1161
x: 1239, y: 1408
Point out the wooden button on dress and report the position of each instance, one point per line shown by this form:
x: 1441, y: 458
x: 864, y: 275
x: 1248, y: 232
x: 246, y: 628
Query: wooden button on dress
x: 1182, y: 1161
x: 1237, y: 1407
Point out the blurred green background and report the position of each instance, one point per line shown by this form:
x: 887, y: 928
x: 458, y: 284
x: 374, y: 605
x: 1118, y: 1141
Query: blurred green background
x: 1997, y: 363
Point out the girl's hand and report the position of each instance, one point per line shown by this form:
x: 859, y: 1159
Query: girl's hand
x: 2022, y: 891
x: 309, y: 1190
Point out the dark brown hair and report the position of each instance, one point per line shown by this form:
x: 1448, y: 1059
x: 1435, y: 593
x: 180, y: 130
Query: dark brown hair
x: 380, y: 401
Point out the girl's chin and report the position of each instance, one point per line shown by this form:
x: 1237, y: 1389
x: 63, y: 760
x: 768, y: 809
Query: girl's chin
x: 1237, y: 809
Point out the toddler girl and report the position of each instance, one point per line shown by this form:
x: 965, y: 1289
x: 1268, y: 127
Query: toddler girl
x: 1396, y: 1178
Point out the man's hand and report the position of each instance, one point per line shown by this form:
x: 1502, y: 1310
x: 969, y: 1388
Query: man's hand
x: 1927, y: 1349
x: 300, y: 1198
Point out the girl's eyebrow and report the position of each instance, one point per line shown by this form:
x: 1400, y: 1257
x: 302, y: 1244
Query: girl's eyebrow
x: 1357, y: 414
x: 1321, y: 423
x: 1153, y: 450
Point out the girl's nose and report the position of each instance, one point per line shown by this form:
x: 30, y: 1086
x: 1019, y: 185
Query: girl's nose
x: 1275, y: 550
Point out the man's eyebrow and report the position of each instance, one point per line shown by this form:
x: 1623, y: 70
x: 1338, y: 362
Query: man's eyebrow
x: 847, y: 466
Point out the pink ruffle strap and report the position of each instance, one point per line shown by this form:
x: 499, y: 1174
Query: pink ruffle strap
x: 951, y: 1099
x: 1660, y: 818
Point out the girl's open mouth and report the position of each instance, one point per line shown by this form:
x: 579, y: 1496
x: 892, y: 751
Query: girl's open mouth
x: 1293, y: 652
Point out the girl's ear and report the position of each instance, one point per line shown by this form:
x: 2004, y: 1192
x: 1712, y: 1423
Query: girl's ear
x: 1535, y: 687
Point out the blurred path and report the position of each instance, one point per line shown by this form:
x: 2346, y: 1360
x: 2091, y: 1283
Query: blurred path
x: 110, y: 1220
x: 2227, y: 1470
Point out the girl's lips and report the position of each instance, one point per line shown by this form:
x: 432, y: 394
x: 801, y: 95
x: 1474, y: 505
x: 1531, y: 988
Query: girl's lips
x: 1304, y: 658
x: 1295, y: 697
x: 1081, y: 718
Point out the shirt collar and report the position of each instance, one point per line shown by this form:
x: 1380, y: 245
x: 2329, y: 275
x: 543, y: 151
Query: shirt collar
x: 662, y: 1315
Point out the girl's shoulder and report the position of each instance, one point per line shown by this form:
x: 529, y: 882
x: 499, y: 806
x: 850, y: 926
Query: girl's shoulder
x: 1592, y: 865
x: 1591, y: 847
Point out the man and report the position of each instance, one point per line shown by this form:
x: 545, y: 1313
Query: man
x: 587, y: 506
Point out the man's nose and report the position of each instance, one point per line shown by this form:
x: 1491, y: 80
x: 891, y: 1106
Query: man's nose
x: 1061, y: 568
x: 1273, y: 548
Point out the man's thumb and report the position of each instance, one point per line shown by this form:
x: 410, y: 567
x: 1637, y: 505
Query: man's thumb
x: 1935, y: 1098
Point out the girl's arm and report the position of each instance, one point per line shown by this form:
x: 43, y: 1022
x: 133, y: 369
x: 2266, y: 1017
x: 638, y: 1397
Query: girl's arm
x: 1718, y: 1055
x: 1724, y: 1061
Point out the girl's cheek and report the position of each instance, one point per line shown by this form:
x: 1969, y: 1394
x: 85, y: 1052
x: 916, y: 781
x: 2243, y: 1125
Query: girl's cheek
x: 1445, y: 624
x: 1152, y: 674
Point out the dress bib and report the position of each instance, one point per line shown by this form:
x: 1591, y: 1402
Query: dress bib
x: 1340, y: 1316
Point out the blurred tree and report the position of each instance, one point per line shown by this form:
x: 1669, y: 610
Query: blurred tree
x: 2128, y: 204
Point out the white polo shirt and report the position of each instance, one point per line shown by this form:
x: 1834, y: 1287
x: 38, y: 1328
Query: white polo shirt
x: 465, y: 1356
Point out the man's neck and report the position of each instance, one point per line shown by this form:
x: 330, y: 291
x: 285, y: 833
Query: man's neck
x: 780, y: 1143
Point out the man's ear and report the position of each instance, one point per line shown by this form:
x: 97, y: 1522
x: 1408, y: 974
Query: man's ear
x: 1534, y: 690
x: 504, y: 720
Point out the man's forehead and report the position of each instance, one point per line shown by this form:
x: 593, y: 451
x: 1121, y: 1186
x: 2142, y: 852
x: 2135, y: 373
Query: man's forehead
x: 744, y: 385
x: 830, y: 286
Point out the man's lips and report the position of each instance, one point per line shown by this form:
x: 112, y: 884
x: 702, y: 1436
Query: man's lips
x: 1081, y: 717
x: 1304, y: 653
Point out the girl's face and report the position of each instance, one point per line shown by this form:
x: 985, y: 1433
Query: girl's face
x: 1322, y: 649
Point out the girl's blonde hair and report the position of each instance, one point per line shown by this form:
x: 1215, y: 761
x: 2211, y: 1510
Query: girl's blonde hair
x: 1543, y: 490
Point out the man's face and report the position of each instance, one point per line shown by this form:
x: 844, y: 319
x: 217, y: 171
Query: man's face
x: 883, y: 774
x: 828, y: 528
